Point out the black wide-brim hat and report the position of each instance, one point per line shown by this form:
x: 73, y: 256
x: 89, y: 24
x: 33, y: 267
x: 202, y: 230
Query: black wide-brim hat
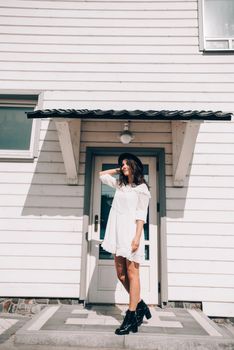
x: 130, y: 156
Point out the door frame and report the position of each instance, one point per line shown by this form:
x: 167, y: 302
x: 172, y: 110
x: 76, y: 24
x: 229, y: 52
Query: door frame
x: 159, y: 153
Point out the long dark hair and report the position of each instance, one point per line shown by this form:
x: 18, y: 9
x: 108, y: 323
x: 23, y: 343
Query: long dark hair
x: 138, y: 176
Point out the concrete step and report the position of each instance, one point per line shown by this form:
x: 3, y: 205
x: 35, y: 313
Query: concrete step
x: 94, y: 326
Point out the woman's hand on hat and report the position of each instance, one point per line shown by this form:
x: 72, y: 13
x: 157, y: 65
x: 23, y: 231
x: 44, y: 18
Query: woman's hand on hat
x: 110, y: 171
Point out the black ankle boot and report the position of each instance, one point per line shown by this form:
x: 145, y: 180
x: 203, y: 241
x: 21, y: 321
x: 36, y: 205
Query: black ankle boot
x: 141, y: 311
x: 129, y: 324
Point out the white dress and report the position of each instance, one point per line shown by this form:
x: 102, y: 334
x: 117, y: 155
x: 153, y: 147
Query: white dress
x: 129, y: 204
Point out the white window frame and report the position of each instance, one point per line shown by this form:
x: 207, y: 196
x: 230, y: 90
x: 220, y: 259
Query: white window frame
x: 202, y: 39
x: 33, y: 150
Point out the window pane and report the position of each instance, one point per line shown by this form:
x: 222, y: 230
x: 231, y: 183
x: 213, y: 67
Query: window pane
x: 219, y: 18
x: 15, y: 128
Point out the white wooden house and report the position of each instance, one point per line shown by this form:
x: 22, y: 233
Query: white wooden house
x: 97, y: 58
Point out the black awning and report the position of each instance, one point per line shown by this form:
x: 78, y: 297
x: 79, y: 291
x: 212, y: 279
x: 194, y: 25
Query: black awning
x: 125, y: 114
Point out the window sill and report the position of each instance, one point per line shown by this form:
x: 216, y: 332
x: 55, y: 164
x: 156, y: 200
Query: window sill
x: 16, y: 156
x: 218, y: 50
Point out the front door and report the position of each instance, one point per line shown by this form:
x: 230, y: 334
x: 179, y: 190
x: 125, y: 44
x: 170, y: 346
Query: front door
x: 103, y: 285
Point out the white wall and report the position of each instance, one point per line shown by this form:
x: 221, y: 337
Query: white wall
x: 200, y: 225
x: 133, y: 55
x: 40, y: 225
x: 106, y: 54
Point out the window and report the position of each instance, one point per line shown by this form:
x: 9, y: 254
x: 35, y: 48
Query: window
x: 18, y: 134
x: 217, y: 25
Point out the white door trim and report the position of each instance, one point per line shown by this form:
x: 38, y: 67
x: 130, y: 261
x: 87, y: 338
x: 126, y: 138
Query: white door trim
x: 94, y: 236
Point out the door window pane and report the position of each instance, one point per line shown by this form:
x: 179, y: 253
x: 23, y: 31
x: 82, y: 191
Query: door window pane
x: 15, y: 128
x: 107, y: 195
x: 146, y: 252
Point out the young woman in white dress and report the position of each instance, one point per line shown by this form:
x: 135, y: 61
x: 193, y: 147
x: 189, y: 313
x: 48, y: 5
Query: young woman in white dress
x: 124, y: 236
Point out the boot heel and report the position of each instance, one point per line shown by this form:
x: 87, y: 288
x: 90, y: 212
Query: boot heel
x: 148, y: 314
x: 135, y: 329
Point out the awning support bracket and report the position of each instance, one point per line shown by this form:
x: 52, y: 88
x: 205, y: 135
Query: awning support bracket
x: 69, y: 139
x: 184, y: 135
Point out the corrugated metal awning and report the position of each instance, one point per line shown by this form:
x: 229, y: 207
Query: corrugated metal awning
x: 125, y: 114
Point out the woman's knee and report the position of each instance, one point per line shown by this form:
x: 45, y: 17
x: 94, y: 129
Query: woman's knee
x: 132, y: 270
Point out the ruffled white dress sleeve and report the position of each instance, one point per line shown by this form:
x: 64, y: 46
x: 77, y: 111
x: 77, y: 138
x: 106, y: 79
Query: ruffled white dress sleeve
x: 109, y: 180
x: 129, y: 205
x: 143, y: 202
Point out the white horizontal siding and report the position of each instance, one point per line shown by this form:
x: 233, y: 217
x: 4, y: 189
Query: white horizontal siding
x: 204, y: 228
x: 202, y: 280
x: 206, y: 294
x: 200, y: 216
x: 41, y: 201
x: 42, y: 249
x: 103, y: 5
x: 154, y: 134
x: 92, y: 13
x: 40, y: 289
x: 117, y: 54
x: 148, y: 86
x: 117, y: 58
x: 191, y: 192
x: 107, y: 48
x: 40, y: 225
x: 29, y: 237
x: 201, y: 226
x: 136, y: 104
x: 196, y: 204
x: 9, y: 276
x: 221, y: 309
x: 205, y: 72
x: 201, y: 241
x: 36, y: 21
x: 48, y: 190
x: 47, y: 214
x: 82, y: 41
x: 201, y: 267
x: 32, y: 263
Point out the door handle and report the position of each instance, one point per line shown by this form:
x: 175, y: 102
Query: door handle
x: 96, y: 223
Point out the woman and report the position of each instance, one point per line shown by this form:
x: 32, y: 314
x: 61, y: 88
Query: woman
x: 124, y: 236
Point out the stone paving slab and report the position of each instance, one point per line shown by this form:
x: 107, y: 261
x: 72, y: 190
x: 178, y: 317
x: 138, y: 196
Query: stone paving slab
x: 94, y: 326
x: 9, y: 324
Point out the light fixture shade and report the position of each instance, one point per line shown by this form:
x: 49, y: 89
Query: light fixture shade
x: 126, y: 137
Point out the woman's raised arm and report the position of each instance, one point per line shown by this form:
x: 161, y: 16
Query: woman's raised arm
x: 110, y: 171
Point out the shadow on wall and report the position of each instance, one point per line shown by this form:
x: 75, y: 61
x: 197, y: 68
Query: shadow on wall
x: 177, y: 197
x: 49, y: 193
x: 50, y: 196
x: 184, y: 140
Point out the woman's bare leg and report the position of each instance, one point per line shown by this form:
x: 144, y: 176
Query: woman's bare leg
x: 121, y: 269
x: 134, y: 283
